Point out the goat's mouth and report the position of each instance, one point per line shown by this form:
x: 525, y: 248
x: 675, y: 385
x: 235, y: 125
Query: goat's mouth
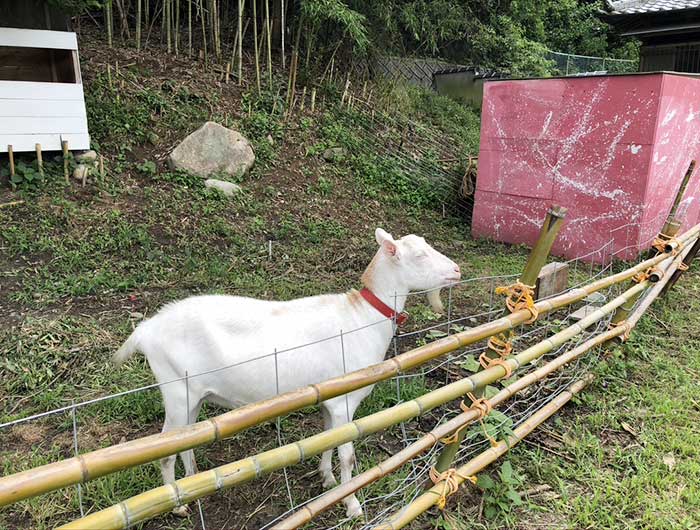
x: 452, y: 279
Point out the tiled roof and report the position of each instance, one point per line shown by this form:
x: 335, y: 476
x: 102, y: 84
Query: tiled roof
x: 632, y: 7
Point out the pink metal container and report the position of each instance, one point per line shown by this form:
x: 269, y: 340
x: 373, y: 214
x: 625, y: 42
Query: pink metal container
x: 611, y: 149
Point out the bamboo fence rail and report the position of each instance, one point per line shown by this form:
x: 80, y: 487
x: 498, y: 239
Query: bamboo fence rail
x: 468, y: 470
x: 98, y: 463
x: 163, y: 499
x: 331, y: 497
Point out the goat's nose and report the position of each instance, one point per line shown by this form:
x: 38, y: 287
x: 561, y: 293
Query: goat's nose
x: 457, y: 270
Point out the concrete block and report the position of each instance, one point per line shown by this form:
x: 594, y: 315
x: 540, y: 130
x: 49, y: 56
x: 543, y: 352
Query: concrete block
x: 553, y: 279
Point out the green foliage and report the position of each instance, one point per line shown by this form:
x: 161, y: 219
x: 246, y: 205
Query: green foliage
x: 26, y: 177
x: 348, y: 22
x: 501, y: 493
x: 75, y: 7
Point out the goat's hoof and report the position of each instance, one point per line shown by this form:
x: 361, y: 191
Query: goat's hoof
x: 354, y: 510
x: 182, y: 511
x: 329, y: 481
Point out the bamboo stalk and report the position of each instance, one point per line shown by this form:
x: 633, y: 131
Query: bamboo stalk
x: 98, y: 463
x: 161, y: 500
x: 690, y: 256
x: 204, y: 29
x: 255, y: 44
x: 39, y: 159
x: 108, y: 22
x: 138, y: 25
x: 282, y: 34
x: 428, y: 499
x: 313, y: 99
x: 241, y: 4
x: 176, y: 32
x: 268, y: 29
x: 383, y: 469
x: 538, y: 256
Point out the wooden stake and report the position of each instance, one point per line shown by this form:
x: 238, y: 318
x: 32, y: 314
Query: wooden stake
x: 228, y: 71
x: 11, y: 156
x: 138, y: 25
x: 241, y: 4
x: 102, y: 168
x: 39, y: 159
x: 109, y: 76
x: 313, y: 99
x: 284, y: 59
x: 64, y: 146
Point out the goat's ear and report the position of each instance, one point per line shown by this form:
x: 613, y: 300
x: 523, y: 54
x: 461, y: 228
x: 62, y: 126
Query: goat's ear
x: 390, y: 248
x: 382, y: 235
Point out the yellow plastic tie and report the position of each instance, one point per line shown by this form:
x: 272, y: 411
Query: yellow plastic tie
x: 450, y: 486
x: 484, y: 407
x: 683, y: 266
x: 662, y: 240
x: 520, y: 296
x: 500, y: 344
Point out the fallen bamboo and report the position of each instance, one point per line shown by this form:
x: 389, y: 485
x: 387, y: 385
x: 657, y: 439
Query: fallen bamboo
x: 476, y: 464
x: 89, y: 466
x: 165, y: 498
x: 456, y: 424
x: 687, y: 260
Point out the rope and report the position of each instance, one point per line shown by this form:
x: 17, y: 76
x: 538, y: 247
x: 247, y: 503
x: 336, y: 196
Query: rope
x: 520, y: 296
x: 501, y: 346
x: 626, y: 334
x: 482, y: 405
x: 449, y: 477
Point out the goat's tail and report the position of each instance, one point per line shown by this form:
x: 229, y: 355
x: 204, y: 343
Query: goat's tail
x: 127, y: 349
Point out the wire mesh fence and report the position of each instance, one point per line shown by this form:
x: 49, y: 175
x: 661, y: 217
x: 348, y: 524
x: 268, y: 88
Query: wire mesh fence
x: 572, y: 64
x: 262, y: 504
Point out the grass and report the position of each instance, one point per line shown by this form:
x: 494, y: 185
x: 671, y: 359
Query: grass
x: 81, y: 266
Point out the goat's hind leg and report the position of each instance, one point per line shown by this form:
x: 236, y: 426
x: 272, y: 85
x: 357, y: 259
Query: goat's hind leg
x: 175, y: 400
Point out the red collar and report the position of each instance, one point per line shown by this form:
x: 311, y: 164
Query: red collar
x: 384, y: 309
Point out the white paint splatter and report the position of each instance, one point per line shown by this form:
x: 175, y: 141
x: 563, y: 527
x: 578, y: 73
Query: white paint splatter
x: 668, y: 117
x: 635, y: 149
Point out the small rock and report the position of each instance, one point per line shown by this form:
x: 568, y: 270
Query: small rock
x: 227, y: 188
x: 136, y: 315
x: 669, y: 460
x: 472, y: 320
x: 86, y: 156
x: 81, y: 172
x: 152, y: 138
x: 333, y: 154
x: 270, y: 139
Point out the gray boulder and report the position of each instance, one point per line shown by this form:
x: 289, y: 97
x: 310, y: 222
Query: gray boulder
x: 213, y: 149
x: 227, y: 188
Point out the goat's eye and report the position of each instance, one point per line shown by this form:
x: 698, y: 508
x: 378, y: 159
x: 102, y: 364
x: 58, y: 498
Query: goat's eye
x: 422, y: 255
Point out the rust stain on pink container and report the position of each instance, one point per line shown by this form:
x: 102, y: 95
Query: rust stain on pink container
x: 611, y: 149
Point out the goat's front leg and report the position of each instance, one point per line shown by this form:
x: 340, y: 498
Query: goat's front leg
x: 326, y: 466
x: 346, y: 453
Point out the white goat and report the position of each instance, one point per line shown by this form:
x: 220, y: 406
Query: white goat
x: 204, y: 333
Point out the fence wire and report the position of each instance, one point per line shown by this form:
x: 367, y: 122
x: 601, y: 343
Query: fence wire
x: 468, y: 303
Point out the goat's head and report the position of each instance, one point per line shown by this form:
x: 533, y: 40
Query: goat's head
x: 417, y: 265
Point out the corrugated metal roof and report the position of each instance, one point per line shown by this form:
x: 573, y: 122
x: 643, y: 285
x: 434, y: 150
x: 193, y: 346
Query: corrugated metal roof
x: 632, y: 7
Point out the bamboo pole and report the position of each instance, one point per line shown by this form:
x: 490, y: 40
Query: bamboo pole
x: 668, y: 232
x: 101, y: 462
x: 138, y: 25
x: 383, y: 469
x: 202, y: 19
x: 553, y: 221
x: 176, y: 32
x: 161, y: 500
x: 687, y: 260
x: 540, y: 252
x: 108, y: 22
x: 657, y: 289
x: 255, y: 44
x: 268, y: 29
x: 11, y: 159
x: 282, y: 33
x: 409, y: 513
x: 241, y: 4
x: 39, y: 159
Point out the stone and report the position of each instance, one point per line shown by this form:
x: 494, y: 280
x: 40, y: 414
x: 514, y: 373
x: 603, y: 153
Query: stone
x: 582, y: 312
x: 596, y: 298
x: 227, y: 188
x: 86, y: 157
x: 81, y: 172
x: 553, y: 279
x: 333, y: 154
x: 270, y: 139
x: 213, y: 149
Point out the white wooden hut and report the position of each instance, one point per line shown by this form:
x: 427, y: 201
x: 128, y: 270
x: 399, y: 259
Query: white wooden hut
x: 41, y: 92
